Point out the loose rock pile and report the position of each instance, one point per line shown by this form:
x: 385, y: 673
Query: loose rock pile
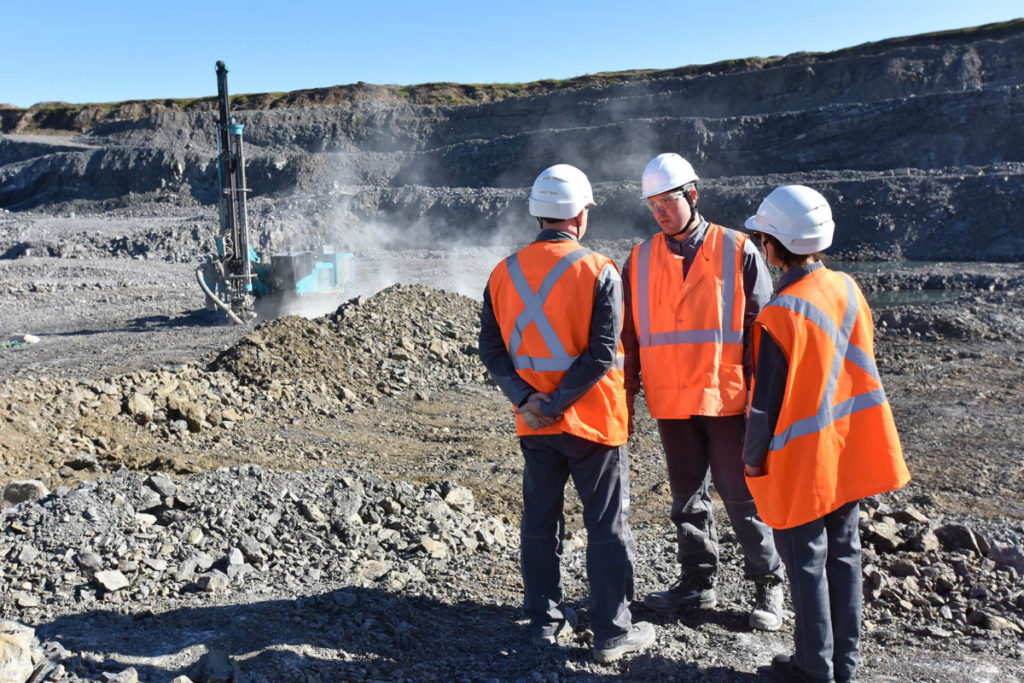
x: 994, y: 317
x: 405, y: 338
x: 910, y: 280
x: 81, y: 426
x: 137, y: 542
x: 142, y: 545
x: 184, y: 238
x: 940, y: 577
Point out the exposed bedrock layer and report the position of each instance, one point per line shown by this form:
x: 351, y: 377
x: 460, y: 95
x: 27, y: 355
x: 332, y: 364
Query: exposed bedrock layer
x: 910, y: 139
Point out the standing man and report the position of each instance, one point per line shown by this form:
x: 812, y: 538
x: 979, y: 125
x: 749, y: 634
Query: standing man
x: 692, y: 291
x: 820, y: 435
x: 549, y: 336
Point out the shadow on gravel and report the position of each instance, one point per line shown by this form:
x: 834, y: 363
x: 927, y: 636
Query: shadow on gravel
x: 347, y: 634
x: 727, y: 619
x: 200, y: 317
x: 197, y: 318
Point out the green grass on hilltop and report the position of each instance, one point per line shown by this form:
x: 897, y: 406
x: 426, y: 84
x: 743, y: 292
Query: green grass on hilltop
x: 62, y: 117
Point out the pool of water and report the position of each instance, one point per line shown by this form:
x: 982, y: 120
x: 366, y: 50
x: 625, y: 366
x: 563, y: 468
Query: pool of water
x: 877, y: 266
x: 902, y: 297
x: 910, y: 297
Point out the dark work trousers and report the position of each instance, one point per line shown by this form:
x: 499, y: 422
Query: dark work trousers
x: 601, y: 476
x: 699, y: 449
x: 822, y: 561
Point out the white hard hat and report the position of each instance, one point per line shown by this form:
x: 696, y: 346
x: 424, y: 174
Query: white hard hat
x: 561, y: 192
x: 799, y: 217
x: 666, y: 172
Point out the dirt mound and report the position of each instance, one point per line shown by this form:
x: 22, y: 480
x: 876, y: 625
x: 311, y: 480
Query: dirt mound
x: 403, y: 338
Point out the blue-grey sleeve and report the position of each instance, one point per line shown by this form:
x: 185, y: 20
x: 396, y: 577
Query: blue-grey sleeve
x: 494, y: 355
x: 757, y: 290
x: 599, y: 356
x: 630, y: 343
x: 766, y: 401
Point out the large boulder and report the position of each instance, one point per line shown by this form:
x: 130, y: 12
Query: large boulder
x: 16, y: 665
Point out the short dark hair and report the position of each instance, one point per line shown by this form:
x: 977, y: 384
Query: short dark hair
x: 788, y: 258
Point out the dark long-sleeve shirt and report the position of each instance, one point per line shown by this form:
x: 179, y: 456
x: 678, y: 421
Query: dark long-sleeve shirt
x: 757, y: 290
x: 771, y: 373
x: 587, y: 370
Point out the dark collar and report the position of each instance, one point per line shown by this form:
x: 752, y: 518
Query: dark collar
x: 794, y: 274
x: 696, y: 235
x: 554, y: 236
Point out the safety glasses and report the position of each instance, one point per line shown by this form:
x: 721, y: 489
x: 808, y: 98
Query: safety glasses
x: 654, y: 203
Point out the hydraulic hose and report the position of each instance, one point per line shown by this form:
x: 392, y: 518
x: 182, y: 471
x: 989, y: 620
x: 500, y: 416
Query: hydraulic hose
x: 220, y: 304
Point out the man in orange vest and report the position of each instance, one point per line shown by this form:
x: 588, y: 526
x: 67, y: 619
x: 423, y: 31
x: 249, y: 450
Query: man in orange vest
x: 549, y: 336
x: 820, y: 433
x: 692, y: 292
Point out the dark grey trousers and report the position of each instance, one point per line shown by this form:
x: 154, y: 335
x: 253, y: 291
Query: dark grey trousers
x: 601, y: 476
x: 822, y: 560
x: 697, y: 450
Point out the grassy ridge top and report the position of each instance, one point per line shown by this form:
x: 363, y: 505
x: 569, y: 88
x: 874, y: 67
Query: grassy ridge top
x: 64, y: 118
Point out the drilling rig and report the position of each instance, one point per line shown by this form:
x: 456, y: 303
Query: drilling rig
x: 236, y: 275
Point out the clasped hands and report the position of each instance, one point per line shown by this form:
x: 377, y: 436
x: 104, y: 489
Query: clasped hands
x: 531, y: 411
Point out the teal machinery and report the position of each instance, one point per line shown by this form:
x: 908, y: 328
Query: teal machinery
x: 236, y: 276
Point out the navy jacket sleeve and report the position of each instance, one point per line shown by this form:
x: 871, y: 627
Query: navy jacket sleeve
x: 630, y: 344
x: 495, y: 357
x: 766, y: 401
x: 757, y: 290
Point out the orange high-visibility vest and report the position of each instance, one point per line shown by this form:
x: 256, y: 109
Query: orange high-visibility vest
x: 543, y: 298
x: 690, y: 330
x: 835, y: 441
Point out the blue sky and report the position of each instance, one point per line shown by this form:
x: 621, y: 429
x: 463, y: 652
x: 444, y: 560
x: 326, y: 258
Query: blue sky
x: 109, y: 51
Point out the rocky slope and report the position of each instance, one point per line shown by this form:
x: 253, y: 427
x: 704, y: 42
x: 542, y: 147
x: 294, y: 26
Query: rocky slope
x: 913, y: 140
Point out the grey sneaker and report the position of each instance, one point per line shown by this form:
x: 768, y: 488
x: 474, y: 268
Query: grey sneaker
x: 767, y: 612
x: 561, y: 631
x: 682, y: 596
x: 640, y: 636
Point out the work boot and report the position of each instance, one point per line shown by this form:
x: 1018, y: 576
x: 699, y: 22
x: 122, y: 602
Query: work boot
x: 552, y: 634
x: 767, y: 612
x: 680, y: 597
x: 788, y: 672
x: 640, y: 636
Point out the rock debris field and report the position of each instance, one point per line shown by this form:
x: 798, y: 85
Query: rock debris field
x: 337, y: 497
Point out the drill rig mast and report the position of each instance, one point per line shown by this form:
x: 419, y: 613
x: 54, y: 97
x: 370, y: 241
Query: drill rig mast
x: 233, y: 244
x: 236, y: 275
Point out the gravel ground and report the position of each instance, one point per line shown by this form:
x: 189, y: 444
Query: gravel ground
x: 337, y: 498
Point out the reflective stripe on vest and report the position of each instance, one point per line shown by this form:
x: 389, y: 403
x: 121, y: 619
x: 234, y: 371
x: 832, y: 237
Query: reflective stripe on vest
x: 533, y: 312
x: 828, y: 413
x: 713, y: 336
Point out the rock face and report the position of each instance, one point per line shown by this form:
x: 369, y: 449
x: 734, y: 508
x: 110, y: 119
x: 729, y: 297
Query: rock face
x: 910, y: 139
